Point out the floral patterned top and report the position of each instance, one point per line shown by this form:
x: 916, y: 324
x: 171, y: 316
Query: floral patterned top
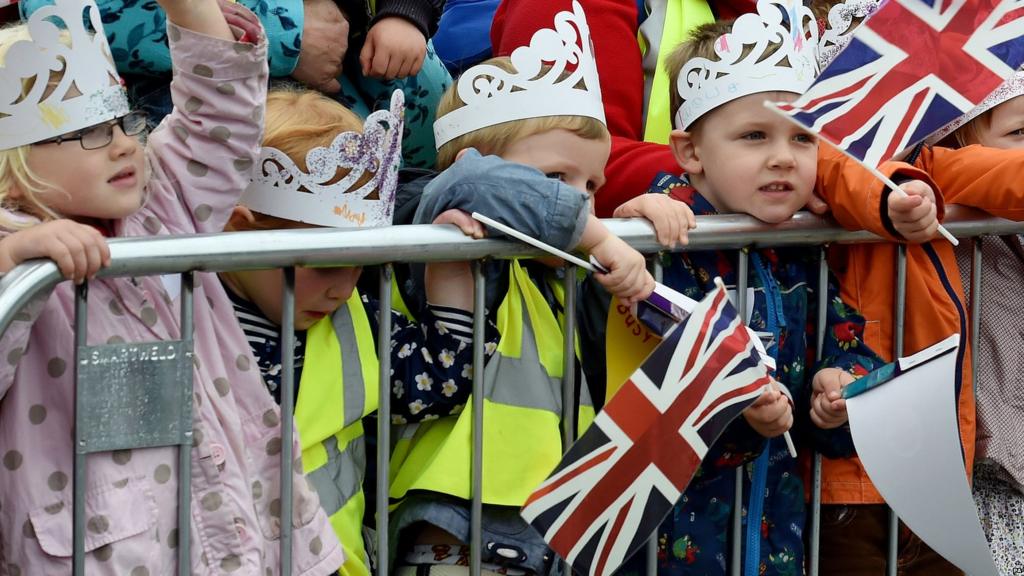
x: 694, y: 539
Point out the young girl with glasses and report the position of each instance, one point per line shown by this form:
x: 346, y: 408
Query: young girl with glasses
x: 69, y: 178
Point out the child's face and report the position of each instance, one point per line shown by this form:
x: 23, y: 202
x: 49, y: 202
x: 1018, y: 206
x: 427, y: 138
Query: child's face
x: 318, y: 292
x: 748, y: 159
x: 563, y: 155
x: 1005, y: 126
x: 104, y: 183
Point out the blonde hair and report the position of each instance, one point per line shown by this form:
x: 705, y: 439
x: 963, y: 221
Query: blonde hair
x: 14, y: 168
x: 701, y: 44
x: 970, y: 132
x: 496, y: 139
x: 296, y: 121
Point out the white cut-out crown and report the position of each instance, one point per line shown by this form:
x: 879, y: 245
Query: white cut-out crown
x: 88, y: 92
x: 279, y: 188
x: 567, y: 87
x: 746, y: 64
x: 840, y: 27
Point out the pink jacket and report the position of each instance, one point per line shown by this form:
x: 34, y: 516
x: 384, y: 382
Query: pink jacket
x: 201, y: 159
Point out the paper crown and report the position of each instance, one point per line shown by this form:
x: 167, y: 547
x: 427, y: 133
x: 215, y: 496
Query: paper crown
x: 1012, y: 88
x: 569, y: 87
x: 840, y: 27
x: 279, y: 188
x: 88, y: 92
x: 746, y: 64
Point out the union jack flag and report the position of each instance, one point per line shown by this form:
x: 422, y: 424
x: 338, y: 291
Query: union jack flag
x: 622, y: 477
x: 910, y: 69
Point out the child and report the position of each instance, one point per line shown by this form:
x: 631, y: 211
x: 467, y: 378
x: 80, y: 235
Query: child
x: 854, y: 519
x: 71, y: 171
x: 428, y: 358
x: 976, y: 174
x: 541, y: 143
x: 741, y: 158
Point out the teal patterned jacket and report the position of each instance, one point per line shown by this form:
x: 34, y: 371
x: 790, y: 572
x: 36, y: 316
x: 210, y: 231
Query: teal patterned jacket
x: 137, y: 32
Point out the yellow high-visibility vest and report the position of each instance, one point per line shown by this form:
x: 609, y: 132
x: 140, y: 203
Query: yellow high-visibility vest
x: 522, y: 440
x: 338, y: 387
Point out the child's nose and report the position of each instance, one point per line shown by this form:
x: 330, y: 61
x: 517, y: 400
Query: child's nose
x: 122, y: 145
x: 782, y: 156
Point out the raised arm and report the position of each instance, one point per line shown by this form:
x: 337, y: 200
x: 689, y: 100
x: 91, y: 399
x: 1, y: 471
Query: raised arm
x: 203, y: 153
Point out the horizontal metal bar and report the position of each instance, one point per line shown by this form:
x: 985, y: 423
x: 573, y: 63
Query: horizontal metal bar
x: 423, y: 243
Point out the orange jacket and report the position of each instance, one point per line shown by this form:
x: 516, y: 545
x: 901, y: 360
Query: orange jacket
x: 867, y: 279
x: 980, y: 177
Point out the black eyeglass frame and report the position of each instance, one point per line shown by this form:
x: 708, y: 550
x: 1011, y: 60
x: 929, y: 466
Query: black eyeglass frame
x: 122, y: 121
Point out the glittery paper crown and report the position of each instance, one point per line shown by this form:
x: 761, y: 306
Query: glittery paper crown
x: 88, y: 92
x: 279, y: 188
x: 568, y: 86
x: 746, y: 64
x: 1012, y: 88
x: 840, y: 27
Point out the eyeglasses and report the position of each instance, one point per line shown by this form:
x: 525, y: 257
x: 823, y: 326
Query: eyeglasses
x: 100, y: 135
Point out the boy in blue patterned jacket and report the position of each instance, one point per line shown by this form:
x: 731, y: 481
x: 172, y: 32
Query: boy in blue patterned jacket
x: 740, y: 157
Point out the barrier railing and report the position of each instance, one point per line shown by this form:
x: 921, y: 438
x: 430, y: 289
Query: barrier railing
x: 287, y: 249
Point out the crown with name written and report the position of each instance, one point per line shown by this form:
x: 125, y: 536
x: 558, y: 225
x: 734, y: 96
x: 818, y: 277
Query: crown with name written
x: 772, y: 50
x: 840, y: 27
x: 318, y: 196
x: 556, y: 75
x: 86, y: 89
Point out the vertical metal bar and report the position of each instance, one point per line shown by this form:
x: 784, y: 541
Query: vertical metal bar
x: 976, y: 245
x: 477, y: 457
x: 383, y: 417
x: 651, y: 563
x: 892, y: 552
x: 736, y: 559
x: 78, y: 505
x: 185, y: 449
x: 569, y: 360
x: 287, y: 413
x: 813, y: 548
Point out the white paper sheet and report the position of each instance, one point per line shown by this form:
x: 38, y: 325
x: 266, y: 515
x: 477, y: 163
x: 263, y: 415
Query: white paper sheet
x: 906, y: 436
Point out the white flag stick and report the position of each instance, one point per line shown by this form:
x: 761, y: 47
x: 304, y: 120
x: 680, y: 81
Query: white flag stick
x: 873, y: 170
x: 592, y: 266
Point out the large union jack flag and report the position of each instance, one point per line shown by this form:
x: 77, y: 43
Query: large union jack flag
x: 910, y: 69
x: 622, y: 477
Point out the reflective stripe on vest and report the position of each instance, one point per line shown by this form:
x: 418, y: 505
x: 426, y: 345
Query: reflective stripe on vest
x: 668, y: 24
x: 338, y: 387
x: 522, y: 440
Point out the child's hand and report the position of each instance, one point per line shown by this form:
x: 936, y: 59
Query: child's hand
x: 324, y: 44
x: 828, y: 409
x: 242, y: 19
x: 914, y: 214
x: 465, y: 222
x: 816, y: 204
x: 78, y: 250
x: 627, y: 275
x: 451, y: 283
x: 771, y: 414
x: 671, y: 218
x: 207, y: 17
x: 394, y: 48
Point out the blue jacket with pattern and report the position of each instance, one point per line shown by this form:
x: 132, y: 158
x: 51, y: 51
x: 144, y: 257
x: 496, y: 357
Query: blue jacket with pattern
x: 695, y: 538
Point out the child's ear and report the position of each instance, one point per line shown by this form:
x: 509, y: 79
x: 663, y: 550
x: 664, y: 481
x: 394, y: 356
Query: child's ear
x: 460, y: 154
x: 684, y: 148
x: 241, y: 219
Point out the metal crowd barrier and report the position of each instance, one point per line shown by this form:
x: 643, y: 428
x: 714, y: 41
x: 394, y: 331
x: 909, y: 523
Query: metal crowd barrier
x: 286, y: 249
